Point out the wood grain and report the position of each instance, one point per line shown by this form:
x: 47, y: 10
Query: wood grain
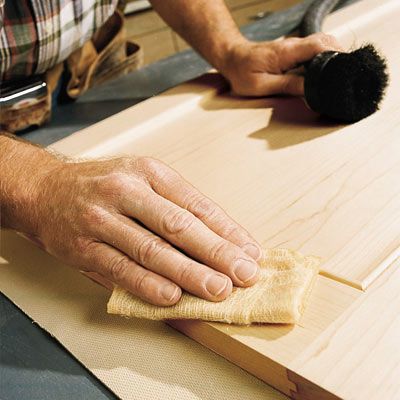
x: 294, y: 180
x: 270, y: 164
x: 358, y: 355
x: 266, y: 350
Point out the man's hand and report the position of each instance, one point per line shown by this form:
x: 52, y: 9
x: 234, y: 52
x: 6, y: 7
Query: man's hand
x: 139, y: 224
x: 259, y: 69
x: 134, y: 221
x: 253, y: 69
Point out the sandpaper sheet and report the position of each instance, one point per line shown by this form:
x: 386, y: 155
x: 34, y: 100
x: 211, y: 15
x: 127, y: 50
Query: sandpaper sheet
x: 136, y: 359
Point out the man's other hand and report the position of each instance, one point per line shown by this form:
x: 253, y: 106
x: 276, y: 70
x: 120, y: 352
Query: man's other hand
x: 260, y: 69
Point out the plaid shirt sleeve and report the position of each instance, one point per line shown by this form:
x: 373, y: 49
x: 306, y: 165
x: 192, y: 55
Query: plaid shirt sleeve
x: 35, y: 35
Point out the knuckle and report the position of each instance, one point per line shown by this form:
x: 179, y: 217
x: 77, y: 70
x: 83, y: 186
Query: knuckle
x: 285, y: 85
x: 94, y: 216
x: 177, y: 221
x: 114, y: 183
x: 256, y: 85
x: 149, y: 163
x: 218, y: 251
x: 229, y: 230
x: 320, y: 41
x: 201, y: 206
x: 118, y: 268
x: 330, y: 38
x: 142, y: 282
x: 148, y: 249
x: 154, y: 170
x: 188, y: 273
x: 275, y: 56
x: 82, y: 245
x: 289, y: 45
x: 333, y: 43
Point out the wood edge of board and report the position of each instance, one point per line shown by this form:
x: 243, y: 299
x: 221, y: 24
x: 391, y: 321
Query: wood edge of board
x: 238, y: 353
x: 269, y: 371
x: 261, y: 361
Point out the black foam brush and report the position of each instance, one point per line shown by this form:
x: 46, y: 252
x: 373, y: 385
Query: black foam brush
x: 344, y: 86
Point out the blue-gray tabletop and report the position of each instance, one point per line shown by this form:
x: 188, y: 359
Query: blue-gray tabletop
x: 33, y: 365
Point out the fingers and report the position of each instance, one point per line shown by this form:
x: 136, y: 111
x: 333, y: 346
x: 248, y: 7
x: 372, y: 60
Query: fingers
x: 258, y: 69
x: 126, y: 273
x: 294, y: 51
x: 153, y: 253
x: 289, y: 54
x: 182, y: 229
x: 277, y: 84
x: 170, y: 184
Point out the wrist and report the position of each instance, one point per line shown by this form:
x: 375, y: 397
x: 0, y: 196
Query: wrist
x: 23, y: 168
x: 227, y: 51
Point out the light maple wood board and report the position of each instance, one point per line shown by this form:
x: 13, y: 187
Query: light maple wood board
x: 294, y: 180
x: 291, y: 178
x: 358, y: 356
x: 267, y: 351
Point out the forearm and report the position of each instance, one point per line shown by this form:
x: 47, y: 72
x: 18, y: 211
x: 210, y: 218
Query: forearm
x: 206, y: 24
x: 22, y: 167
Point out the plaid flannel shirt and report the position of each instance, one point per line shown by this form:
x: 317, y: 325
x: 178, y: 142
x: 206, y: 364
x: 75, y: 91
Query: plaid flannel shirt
x: 35, y: 35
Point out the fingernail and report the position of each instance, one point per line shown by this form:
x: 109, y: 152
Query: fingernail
x: 216, y: 284
x: 252, y: 250
x: 245, y: 269
x: 169, y: 291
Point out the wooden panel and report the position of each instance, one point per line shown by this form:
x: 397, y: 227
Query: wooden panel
x: 358, y: 356
x: 270, y: 164
x: 266, y: 350
x: 294, y: 180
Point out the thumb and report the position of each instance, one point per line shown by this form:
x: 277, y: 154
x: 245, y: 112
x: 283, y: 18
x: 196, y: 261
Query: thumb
x: 295, y: 51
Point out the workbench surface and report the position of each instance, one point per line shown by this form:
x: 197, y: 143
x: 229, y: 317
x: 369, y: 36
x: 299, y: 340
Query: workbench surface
x: 32, y: 364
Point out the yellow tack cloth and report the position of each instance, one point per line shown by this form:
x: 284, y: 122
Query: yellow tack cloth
x: 279, y: 296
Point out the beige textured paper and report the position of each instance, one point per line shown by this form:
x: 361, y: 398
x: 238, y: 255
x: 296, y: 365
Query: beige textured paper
x: 137, y: 359
x: 279, y: 296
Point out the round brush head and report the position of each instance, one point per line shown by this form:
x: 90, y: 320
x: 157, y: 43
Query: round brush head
x: 346, y: 86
